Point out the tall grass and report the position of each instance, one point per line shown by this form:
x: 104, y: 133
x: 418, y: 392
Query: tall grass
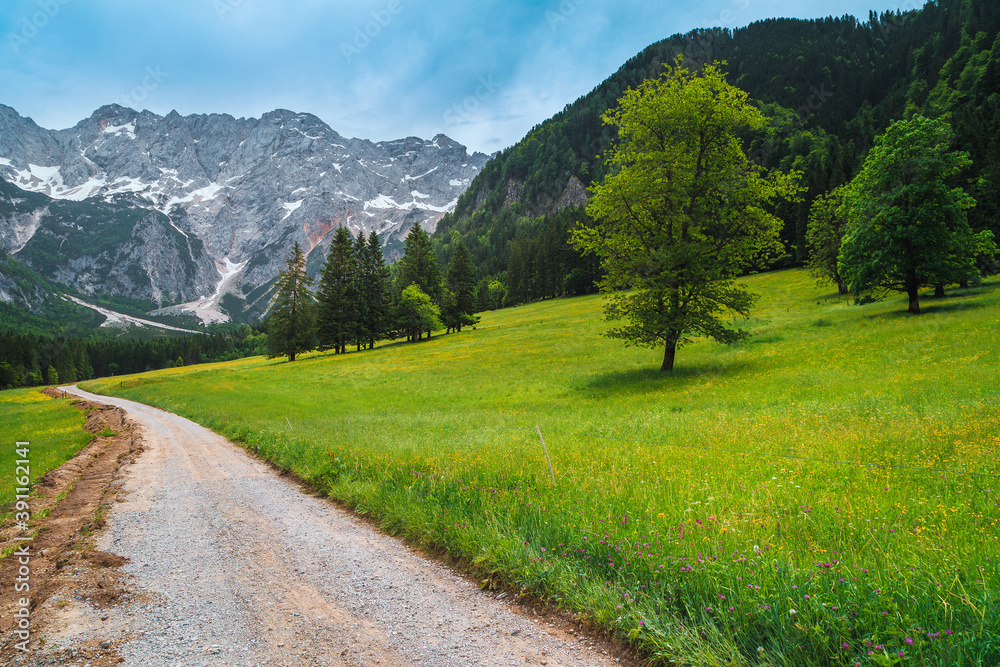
x: 53, y: 428
x: 825, y: 493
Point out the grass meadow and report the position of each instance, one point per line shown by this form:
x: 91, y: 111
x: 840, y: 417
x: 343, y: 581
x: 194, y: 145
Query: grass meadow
x: 823, y: 494
x: 53, y: 428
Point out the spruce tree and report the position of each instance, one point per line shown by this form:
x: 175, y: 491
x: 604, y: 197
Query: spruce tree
x: 418, y: 265
x: 377, y: 292
x: 292, y: 322
x: 459, y: 297
x: 362, y: 288
x: 337, y: 294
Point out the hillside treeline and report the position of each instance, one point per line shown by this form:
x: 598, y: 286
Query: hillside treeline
x: 32, y: 360
x: 830, y: 87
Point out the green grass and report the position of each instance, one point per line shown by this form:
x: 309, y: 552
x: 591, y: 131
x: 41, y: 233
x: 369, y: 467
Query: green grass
x: 53, y: 428
x: 823, y: 494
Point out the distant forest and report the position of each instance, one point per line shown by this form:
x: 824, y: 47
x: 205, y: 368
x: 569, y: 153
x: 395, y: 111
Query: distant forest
x: 830, y: 86
x: 32, y: 360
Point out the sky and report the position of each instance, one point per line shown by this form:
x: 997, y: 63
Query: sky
x: 482, y: 72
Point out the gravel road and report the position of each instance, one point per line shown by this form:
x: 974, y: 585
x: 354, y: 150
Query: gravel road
x: 234, y: 565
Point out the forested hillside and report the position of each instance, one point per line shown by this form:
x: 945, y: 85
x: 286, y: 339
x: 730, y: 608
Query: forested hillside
x: 829, y: 85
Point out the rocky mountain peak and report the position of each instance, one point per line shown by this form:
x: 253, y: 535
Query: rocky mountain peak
x: 243, y: 189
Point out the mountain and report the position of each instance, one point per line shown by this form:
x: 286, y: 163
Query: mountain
x: 184, y: 209
x: 830, y: 86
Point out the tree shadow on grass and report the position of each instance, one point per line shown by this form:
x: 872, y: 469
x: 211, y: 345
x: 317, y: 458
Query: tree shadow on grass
x: 931, y: 304
x: 929, y: 307
x: 647, y: 380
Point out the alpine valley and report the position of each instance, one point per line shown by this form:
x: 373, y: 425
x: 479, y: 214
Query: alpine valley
x: 182, y: 212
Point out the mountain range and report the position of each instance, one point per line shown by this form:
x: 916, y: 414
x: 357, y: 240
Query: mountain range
x: 193, y: 215
x: 178, y: 211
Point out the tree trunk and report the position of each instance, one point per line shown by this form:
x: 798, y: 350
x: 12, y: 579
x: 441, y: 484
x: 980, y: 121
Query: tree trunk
x: 842, y: 288
x: 939, y: 291
x: 291, y: 356
x: 912, y: 290
x: 668, y: 356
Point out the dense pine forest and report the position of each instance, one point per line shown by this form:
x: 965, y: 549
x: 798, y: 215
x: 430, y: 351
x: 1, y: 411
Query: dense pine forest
x: 830, y: 86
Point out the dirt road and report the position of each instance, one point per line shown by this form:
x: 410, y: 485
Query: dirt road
x: 234, y: 565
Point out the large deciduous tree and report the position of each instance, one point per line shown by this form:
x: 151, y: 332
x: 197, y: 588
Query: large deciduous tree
x: 825, y: 233
x: 908, y: 227
x: 682, y: 211
x: 292, y: 324
x: 418, y: 313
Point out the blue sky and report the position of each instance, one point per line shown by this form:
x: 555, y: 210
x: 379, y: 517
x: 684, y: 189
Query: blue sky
x: 481, y: 72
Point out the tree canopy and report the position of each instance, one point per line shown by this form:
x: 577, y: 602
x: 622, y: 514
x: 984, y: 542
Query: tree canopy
x: 908, y: 225
x: 682, y: 210
x: 418, y: 312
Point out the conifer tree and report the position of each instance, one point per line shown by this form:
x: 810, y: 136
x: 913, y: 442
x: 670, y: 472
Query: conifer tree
x: 292, y: 321
x: 418, y: 265
x: 337, y: 294
x: 377, y: 292
x: 362, y: 288
x: 458, y: 299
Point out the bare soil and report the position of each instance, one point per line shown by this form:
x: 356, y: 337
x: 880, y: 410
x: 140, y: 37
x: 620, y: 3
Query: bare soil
x: 72, y: 501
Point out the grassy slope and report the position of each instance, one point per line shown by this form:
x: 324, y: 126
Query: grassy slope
x: 53, y: 428
x: 700, y: 515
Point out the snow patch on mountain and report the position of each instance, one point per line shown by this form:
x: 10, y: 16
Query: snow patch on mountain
x: 128, y: 128
x: 207, y: 308
x: 115, y: 319
x: 292, y: 207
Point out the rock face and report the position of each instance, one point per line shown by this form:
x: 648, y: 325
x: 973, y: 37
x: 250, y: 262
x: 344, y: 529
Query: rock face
x: 220, y: 192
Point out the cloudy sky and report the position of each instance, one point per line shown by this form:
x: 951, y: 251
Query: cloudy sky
x: 482, y: 72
